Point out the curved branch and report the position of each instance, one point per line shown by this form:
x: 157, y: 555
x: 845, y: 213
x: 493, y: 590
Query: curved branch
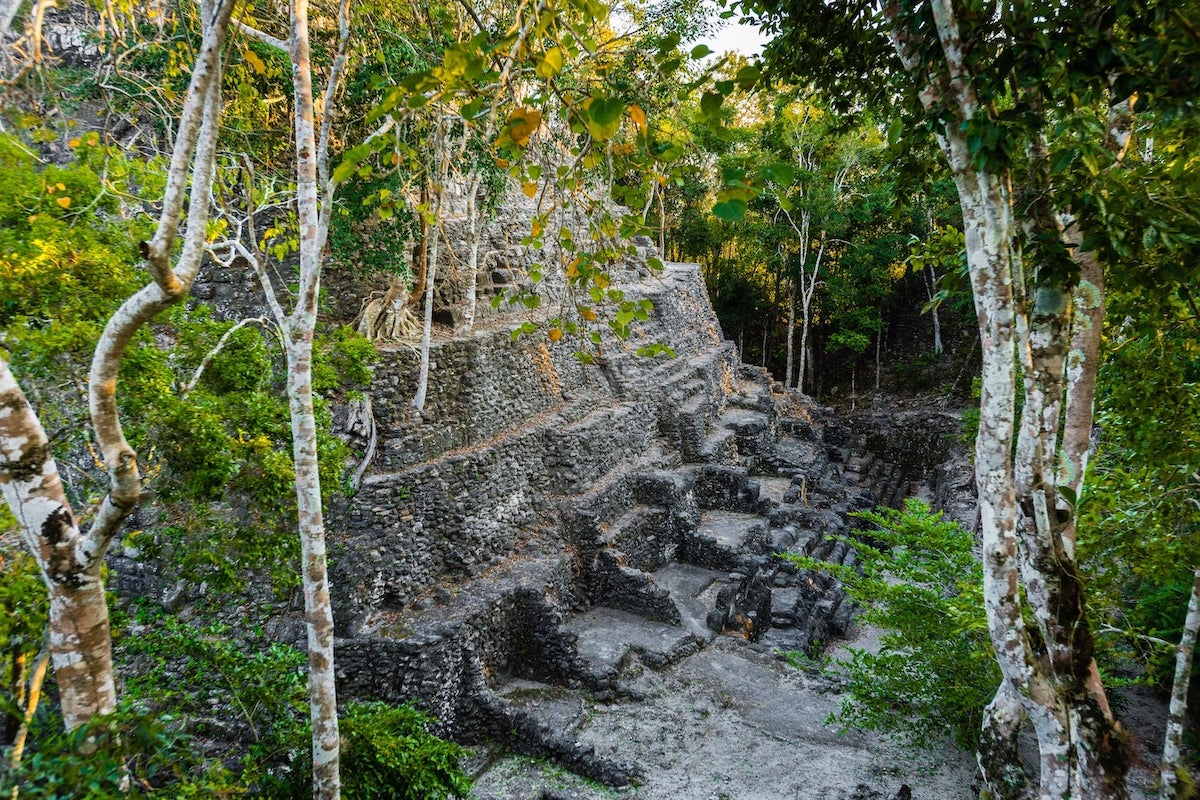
x: 261, y: 36
x: 120, y: 460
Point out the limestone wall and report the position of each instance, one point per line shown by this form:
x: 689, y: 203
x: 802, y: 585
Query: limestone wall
x: 508, y: 426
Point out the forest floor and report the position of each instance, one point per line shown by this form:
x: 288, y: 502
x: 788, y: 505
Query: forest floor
x: 734, y: 722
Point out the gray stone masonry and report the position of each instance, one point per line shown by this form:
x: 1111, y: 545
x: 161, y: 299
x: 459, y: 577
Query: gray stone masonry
x: 548, y: 524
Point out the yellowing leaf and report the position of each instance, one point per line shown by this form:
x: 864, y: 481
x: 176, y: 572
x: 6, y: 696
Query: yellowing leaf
x: 523, y: 123
x: 73, y: 143
x: 588, y: 314
x: 254, y: 61
x: 530, y: 190
x: 65, y: 202
x: 551, y: 65
x: 555, y: 334
x: 602, y: 280
x: 60, y: 186
x: 536, y: 227
x: 638, y: 116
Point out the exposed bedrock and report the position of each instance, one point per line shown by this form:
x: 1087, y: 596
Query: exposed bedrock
x: 549, y: 528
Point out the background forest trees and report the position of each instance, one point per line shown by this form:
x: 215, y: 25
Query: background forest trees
x: 829, y: 231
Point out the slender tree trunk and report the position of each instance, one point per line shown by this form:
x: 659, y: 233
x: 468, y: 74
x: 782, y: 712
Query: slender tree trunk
x: 802, y: 372
x: 421, y: 250
x: 813, y: 375
x: 1171, y: 768
x: 299, y: 332
x: 34, y: 697
x: 318, y: 612
x: 930, y: 282
x: 791, y: 336
x: 474, y: 232
x: 8, y: 12
x: 432, y: 241
x: 878, y: 348
x: 662, y: 224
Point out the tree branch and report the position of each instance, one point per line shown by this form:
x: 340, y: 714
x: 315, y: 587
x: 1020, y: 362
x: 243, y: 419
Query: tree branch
x: 262, y: 36
x: 266, y: 325
x: 169, y: 287
x: 157, y: 251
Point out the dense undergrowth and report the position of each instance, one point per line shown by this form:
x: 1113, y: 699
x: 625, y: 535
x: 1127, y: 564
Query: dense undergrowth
x: 208, y: 710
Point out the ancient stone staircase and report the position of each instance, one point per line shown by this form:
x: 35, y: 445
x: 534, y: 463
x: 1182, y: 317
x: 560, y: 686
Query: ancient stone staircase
x: 591, y: 525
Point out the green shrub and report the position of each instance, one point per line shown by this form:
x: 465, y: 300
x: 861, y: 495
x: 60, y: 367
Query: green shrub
x: 388, y: 755
x: 127, y: 754
x: 919, y: 581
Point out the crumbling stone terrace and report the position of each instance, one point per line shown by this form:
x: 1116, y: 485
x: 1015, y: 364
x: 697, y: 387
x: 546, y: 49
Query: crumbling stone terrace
x: 543, y: 523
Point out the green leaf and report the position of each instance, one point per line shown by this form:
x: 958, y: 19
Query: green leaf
x: 731, y: 210
x: 666, y: 48
x: 602, y: 116
x: 781, y: 173
x: 1061, y: 160
x: 1068, y: 494
x: 350, y: 161
x: 710, y: 103
x: 748, y: 76
x: 463, y: 62
x: 700, y: 51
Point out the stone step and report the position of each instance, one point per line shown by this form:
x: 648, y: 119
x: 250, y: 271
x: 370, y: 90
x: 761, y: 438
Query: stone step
x: 795, y: 456
x: 727, y: 540
x: 694, y: 591
x: 608, y: 640
x: 725, y: 487
x: 754, y: 433
x: 615, y: 585
x: 585, y: 517
x: 643, y: 536
x: 584, y: 452
x: 718, y: 447
x: 538, y: 719
x: 773, y: 488
x: 560, y: 708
